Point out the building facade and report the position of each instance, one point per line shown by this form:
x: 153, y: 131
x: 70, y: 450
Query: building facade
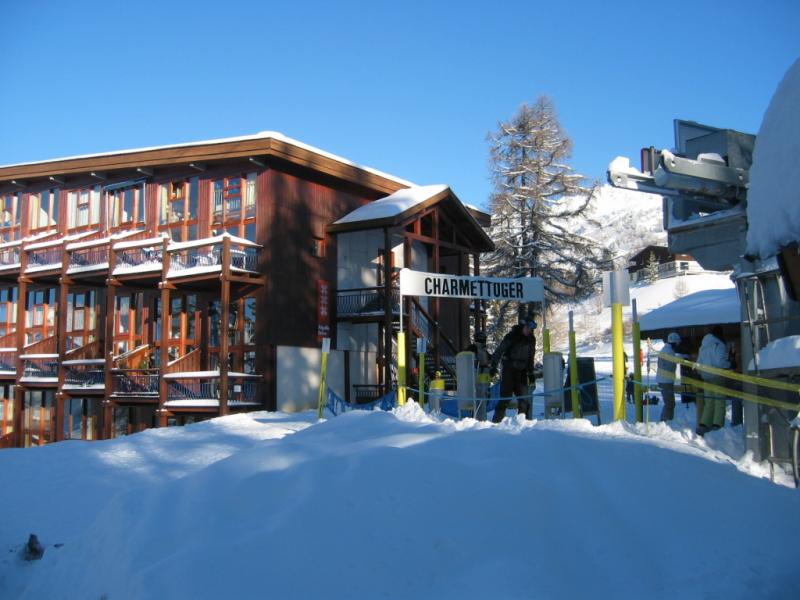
x: 152, y: 287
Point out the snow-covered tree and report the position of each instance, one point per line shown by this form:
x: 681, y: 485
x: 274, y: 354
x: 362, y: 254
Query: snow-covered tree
x: 651, y: 268
x: 538, y: 205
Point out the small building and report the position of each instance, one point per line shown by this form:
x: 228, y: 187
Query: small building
x: 669, y: 263
x: 159, y: 286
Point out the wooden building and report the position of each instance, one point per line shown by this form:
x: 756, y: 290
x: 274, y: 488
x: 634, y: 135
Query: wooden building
x: 669, y: 263
x: 159, y: 286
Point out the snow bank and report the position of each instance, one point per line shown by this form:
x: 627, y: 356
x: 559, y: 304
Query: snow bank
x: 779, y: 354
x: 773, y: 200
x: 393, y: 205
x: 397, y: 506
x: 701, y: 308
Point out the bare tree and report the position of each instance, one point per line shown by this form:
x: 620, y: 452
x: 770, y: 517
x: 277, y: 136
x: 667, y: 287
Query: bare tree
x: 539, y: 205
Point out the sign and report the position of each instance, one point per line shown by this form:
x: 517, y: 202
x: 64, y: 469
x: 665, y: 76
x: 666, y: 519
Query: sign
x: 323, y: 309
x: 616, y: 288
x: 523, y: 289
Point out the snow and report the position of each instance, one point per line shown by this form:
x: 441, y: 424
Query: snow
x: 207, y: 375
x: 180, y: 272
x: 779, y: 354
x: 47, y: 267
x: 86, y: 268
x: 212, y: 241
x: 105, y: 240
x: 700, y: 308
x: 716, y: 217
x: 393, y: 204
x: 154, y: 241
x: 27, y: 379
x: 142, y: 268
x: 59, y: 241
x: 260, y: 135
x: 397, y: 505
x: 85, y: 361
x: 27, y: 356
x: 773, y: 199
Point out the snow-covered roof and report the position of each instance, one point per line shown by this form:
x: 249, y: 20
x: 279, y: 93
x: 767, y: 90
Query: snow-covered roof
x: 773, y: 199
x: 707, y: 307
x: 779, y: 354
x: 393, y: 204
x: 275, y: 135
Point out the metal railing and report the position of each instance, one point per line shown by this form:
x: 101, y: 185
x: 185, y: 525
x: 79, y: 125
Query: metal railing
x: 197, y: 257
x: 44, y: 368
x: 139, y: 256
x: 365, y: 301
x: 238, y: 391
x: 84, y: 376
x: 88, y: 257
x: 8, y: 361
x: 9, y: 256
x: 135, y: 382
x: 45, y: 257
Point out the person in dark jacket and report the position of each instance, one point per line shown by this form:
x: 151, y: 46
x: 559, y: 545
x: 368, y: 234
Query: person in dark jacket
x: 516, y: 354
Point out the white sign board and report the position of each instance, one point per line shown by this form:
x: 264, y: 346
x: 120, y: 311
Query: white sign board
x: 616, y: 288
x: 523, y: 289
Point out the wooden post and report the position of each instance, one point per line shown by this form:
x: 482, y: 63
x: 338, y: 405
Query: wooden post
x: 387, y: 307
x: 163, y: 389
x: 107, y: 343
x: 225, y: 300
x: 61, y: 340
x: 22, y: 303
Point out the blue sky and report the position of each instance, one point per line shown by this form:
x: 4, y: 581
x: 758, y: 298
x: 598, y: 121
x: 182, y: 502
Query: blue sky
x: 411, y: 88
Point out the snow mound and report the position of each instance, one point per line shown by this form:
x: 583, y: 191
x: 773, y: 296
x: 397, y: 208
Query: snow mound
x: 393, y: 205
x: 779, y: 354
x: 701, y: 308
x: 376, y: 504
x: 773, y: 200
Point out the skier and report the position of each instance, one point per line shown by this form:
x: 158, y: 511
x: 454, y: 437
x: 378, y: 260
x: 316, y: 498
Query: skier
x: 516, y: 353
x: 665, y: 375
x: 713, y: 353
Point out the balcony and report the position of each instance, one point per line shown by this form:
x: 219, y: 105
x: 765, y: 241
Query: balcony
x: 139, y: 256
x: 84, y: 374
x: 365, y: 302
x: 46, y: 258
x: 204, y: 256
x: 135, y: 383
x: 9, y: 256
x: 8, y: 361
x: 201, y: 389
x: 40, y: 368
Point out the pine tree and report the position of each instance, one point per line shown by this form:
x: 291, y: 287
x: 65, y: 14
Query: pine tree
x: 651, y: 268
x: 539, y: 205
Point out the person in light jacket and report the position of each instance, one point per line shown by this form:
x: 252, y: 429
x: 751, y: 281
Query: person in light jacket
x: 713, y: 353
x: 665, y: 375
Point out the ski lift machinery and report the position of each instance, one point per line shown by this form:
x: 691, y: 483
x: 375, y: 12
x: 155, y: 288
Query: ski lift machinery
x: 703, y: 182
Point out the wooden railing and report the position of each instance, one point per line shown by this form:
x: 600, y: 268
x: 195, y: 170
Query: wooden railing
x: 132, y: 358
x: 46, y: 346
x: 87, y: 351
x: 188, y: 362
x: 9, y: 340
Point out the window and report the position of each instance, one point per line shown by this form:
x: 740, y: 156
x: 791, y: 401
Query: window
x: 241, y: 334
x: 125, y: 205
x: 234, y: 206
x: 9, y: 217
x: 318, y: 247
x: 82, y: 310
x: 178, y: 209
x: 8, y: 310
x: 83, y: 207
x: 184, y: 325
x: 40, y: 316
x: 128, y: 317
x: 44, y: 209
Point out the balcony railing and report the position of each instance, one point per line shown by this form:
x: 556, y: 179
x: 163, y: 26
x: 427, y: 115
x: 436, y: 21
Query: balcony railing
x: 207, y: 255
x: 365, y: 301
x: 40, y: 367
x: 85, y: 373
x: 135, y: 382
x: 87, y: 258
x: 8, y: 359
x: 134, y: 257
x: 203, y: 389
x: 9, y: 257
x: 45, y: 258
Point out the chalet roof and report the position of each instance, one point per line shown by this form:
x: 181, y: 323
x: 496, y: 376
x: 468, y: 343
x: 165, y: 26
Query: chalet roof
x: 403, y: 205
x: 704, y: 308
x: 265, y: 143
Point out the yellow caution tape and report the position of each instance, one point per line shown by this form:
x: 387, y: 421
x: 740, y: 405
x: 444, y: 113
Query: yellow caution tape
x: 760, y: 381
